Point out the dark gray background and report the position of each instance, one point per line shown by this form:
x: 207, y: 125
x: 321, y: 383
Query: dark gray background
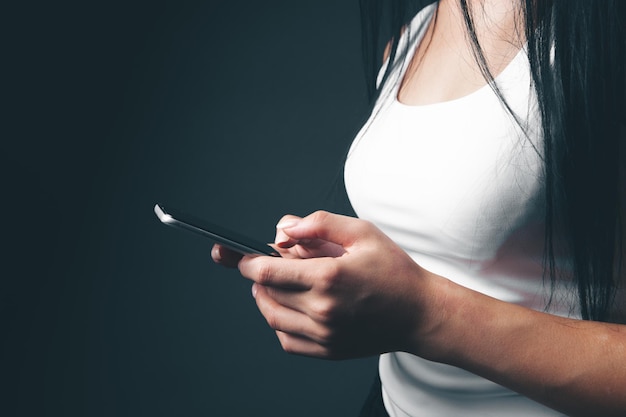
x: 238, y: 111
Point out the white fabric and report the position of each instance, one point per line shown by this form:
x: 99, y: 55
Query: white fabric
x: 458, y: 185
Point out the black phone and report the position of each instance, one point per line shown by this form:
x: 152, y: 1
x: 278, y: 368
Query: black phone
x: 219, y: 234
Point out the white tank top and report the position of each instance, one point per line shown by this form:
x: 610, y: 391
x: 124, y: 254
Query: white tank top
x: 459, y: 186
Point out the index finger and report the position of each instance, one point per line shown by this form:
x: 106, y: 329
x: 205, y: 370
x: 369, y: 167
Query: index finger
x: 282, y: 272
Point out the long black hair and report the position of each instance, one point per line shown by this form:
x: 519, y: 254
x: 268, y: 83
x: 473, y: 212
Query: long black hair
x: 577, y: 52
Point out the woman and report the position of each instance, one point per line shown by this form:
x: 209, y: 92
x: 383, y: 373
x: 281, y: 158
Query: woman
x: 494, y: 158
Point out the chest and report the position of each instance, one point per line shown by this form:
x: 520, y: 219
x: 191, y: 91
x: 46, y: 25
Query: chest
x: 436, y: 179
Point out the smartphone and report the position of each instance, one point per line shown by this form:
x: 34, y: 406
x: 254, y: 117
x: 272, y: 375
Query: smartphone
x: 233, y: 240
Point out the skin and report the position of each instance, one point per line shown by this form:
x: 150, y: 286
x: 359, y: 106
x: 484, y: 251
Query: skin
x: 349, y: 291
x: 343, y: 289
x: 443, y: 67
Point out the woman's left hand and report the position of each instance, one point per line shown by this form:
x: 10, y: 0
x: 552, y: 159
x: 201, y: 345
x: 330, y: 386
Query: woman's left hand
x: 342, y: 289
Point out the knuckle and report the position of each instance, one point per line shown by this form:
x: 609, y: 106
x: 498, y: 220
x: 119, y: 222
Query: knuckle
x: 327, y: 336
x: 324, y: 311
x: 288, y: 348
x: 319, y: 216
x: 264, y: 274
x: 330, y: 277
x: 271, y: 318
x: 365, y: 226
x: 287, y: 344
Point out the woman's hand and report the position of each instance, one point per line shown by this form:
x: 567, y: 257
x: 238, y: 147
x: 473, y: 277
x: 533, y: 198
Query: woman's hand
x: 224, y: 256
x: 342, y: 289
x: 285, y: 245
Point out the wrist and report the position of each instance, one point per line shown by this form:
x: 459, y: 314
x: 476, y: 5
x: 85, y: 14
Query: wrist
x: 451, y: 321
x: 436, y: 305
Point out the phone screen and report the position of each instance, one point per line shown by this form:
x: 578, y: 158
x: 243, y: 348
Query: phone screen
x: 232, y: 240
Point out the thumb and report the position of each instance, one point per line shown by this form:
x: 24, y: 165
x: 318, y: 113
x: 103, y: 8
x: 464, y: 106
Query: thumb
x: 322, y: 225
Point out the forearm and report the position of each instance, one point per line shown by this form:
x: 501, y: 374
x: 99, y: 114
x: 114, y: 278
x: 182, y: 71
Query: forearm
x: 339, y: 306
x: 575, y: 366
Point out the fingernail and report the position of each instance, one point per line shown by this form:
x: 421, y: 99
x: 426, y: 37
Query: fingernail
x: 287, y: 224
x: 281, y: 239
x: 254, y: 290
x: 215, y: 253
x: 284, y: 244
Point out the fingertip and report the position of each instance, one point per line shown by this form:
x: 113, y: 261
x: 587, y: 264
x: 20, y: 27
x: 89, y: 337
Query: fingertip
x: 283, y: 240
x: 224, y: 256
x: 286, y: 244
x: 215, y: 253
